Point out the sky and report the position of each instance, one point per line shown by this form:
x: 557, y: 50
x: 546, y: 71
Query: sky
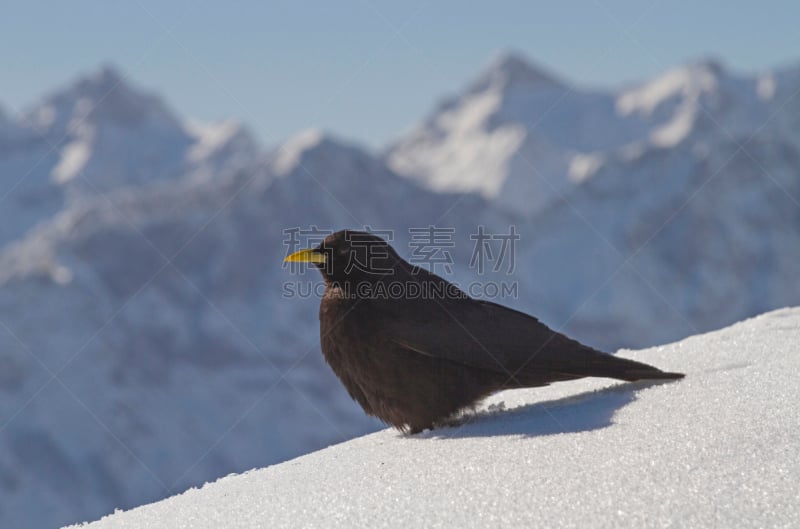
x: 367, y: 70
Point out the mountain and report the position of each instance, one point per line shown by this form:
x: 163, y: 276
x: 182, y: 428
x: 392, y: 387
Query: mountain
x: 524, y: 139
x: 152, y: 340
x: 512, y: 136
x: 708, y: 451
x: 180, y: 352
x: 671, y: 241
x: 95, y: 136
x: 671, y: 205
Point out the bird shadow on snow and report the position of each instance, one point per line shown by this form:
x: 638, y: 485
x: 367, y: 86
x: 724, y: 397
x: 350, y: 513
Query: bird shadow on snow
x: 592, y: 410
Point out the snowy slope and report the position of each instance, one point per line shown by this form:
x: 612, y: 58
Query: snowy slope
x: 717, y: 449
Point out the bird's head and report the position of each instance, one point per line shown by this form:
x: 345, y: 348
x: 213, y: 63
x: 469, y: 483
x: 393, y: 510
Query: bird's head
x: 349, y: 258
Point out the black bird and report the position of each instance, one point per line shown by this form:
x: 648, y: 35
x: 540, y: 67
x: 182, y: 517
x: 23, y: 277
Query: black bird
x: 413, y: 350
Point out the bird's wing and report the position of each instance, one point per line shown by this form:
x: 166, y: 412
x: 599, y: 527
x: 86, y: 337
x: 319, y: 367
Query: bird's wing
x: 488, y: 336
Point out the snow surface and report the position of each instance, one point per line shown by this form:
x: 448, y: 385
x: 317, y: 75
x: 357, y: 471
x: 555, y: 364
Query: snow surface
x: 717, y: 449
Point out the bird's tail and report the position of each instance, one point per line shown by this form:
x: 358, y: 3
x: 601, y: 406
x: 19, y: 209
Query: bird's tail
x: 609, y: 366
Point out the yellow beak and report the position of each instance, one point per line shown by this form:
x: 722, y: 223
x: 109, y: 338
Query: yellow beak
x: 310, y: 255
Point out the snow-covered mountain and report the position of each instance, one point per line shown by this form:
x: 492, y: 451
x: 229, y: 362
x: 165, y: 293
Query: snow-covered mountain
x: 671, y: 206
x: 177, y: 354
x: 712, y: 450
x: 97, y: 135
x: 513, y: 135
x: 524, y: 138
x: 671, y: 241
x: 147, y: 338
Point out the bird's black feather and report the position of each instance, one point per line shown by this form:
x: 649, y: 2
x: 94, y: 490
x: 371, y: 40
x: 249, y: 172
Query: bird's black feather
x: 416, y: 361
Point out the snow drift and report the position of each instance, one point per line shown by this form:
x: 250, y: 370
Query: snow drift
x: 717, y: 449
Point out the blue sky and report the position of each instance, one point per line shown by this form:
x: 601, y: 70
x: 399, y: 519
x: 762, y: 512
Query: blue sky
x: 367, y: 69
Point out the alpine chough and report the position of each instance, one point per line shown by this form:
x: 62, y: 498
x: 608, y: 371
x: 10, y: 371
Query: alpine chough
x: 413, y: 350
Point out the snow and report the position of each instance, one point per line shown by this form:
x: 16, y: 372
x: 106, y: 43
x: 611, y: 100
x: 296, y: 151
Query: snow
x: 717, y: 449
x: 73, y: 158
x: 766, y: 87
x: 291, y: 151
x: 685, y: 81
x: 675, y: 131
x: 210, y: 137
x: 582, y: 166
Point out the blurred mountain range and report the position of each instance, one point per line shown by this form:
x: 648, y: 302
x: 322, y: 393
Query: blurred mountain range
x: 147, y: 343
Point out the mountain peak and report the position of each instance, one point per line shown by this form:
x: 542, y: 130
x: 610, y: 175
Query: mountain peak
x: 687, y: 82
x: 512, y: 69
x: 306, y: 140
x: 102, y: 95
x: 107, y: 77
x: 106, y: 81
x: 708, y: 65
x: 312, y: 144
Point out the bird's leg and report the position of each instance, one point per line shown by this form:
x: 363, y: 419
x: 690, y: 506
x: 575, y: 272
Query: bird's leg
x: 418, y: 428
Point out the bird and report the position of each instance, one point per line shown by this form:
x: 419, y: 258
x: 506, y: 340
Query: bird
x: 415, y: 351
